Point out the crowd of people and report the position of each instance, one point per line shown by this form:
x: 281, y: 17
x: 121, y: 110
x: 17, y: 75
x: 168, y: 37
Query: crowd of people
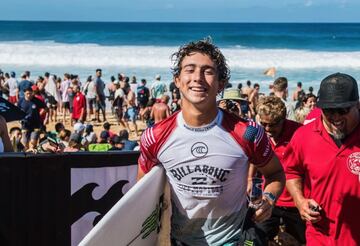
x: 217, y: 143
x: 89, y: 103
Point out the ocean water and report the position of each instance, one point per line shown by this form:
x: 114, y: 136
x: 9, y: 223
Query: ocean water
x: 301, y: 52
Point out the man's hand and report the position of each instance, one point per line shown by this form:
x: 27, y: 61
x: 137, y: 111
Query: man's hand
x: 263, y: 212
x: 309, y: 210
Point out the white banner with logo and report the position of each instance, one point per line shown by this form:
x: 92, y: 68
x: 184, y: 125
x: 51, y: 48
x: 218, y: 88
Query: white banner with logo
x: 97, y: 190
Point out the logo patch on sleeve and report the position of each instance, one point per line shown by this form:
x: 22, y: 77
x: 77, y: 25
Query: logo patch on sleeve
x: 250, y: 133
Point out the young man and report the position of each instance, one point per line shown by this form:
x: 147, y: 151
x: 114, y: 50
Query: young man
x: 143, y: 95
x: 160, y: 110
x: 323, y: 166
x: 13, y: 85
x: 131, y: 110
x: 32, y: 122
x: 158, y: 88
x: 272, y: 116
x: 79, y: 106
x: 280, y: 88
x: 64, y: 88
x: 100, y: 96
x: 205, y: 153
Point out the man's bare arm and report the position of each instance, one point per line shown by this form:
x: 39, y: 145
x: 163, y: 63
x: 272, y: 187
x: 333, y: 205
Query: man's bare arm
x: 274, y: 183
x: 140, y: 173
x: 308, y: 208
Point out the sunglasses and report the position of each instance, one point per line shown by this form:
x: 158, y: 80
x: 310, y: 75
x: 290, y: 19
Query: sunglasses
x: 339, y: 111
x: 270, y: 125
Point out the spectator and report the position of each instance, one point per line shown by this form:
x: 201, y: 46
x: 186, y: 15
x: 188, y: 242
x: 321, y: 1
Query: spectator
x: 32, y: 122
x: 107, y: 127
x: 103, y: 143
x: 5, y: 143
x: 158, y: 88
x: 15, y: 138
x: 13, y: 85
x: 65, y: 104
x: 74, y: 143
x: 128, y: 144
x: 116, y: 143
x: 23, y: 85
x: 89, y: 134
x: 100, y: 96
x: 79, y: 106
x: 160, y: 110
x: 143, y: 95
x: 280, y: 89
x: 297, y: 91
x: 90, y: 94
x: 322, y: 166
x: 119, y: 104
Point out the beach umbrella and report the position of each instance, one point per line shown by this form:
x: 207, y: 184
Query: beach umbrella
x: 9, y: 111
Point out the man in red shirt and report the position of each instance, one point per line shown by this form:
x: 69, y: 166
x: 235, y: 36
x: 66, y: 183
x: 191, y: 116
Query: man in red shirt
x: 323, y: 166
x: 271, y: 114
x: 79, y: 106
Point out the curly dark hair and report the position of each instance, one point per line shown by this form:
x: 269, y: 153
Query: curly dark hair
x: 206, y: 47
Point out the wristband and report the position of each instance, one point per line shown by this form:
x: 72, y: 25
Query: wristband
x: 270, y: 196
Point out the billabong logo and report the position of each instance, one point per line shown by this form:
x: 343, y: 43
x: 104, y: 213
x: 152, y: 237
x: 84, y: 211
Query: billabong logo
x: 199, y: 149
x: 353, y: 163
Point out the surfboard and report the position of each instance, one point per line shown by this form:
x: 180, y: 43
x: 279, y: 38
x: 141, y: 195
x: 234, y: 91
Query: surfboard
x: 135, y: 219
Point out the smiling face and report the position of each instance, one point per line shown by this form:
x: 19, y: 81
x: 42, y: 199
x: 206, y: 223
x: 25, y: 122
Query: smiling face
x: 198, y: 81
x: 341, y: 122
x: 310, y: 102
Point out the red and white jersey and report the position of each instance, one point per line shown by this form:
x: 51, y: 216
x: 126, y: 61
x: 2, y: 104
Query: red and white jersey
x: 207, y: 168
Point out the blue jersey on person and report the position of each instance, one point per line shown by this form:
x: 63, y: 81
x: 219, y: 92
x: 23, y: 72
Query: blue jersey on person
x: 24, y: 84
x: 32, y: 119
x: 129, y: 145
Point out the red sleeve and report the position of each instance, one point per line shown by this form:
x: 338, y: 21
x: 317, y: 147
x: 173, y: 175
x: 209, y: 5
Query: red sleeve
x: 251, y: 137
x: 151, y: 141
x: 147, y: 159
x: 258, y: 145
x: 293, y: 158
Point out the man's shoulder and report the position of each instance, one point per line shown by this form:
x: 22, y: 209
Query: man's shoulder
x: 159, y: 132
x: 304, y: 132
x: 243, y: 130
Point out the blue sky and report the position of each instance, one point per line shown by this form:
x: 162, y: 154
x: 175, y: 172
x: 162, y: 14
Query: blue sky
x: 183, y: 10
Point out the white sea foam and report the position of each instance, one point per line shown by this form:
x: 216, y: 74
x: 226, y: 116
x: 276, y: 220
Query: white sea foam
x: 49, y: 53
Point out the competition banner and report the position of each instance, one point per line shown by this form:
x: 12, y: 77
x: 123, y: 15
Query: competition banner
x: 55, y: 199
x: 135, y: 219
x: 97, y: 189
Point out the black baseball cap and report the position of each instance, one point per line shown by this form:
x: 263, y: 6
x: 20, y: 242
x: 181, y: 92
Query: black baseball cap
x: 338, y: 90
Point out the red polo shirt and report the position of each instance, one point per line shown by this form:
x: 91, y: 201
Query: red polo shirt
x: 79, y: 103
x: 332, y: 178
x: 313, y: 115
x: 285, y: 200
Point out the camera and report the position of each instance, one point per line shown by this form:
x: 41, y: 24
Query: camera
x: 231, y: 105
x: 315, y: 208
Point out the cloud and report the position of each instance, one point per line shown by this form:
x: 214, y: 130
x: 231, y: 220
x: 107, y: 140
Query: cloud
x: 308, y: 3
